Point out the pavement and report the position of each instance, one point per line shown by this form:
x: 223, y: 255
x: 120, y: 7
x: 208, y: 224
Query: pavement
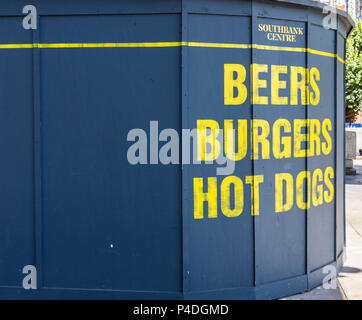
x: 350, y: 278
x: 349, y: 282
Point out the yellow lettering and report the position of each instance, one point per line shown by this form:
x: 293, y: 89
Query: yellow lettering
x: 238, y: 197
x: 314, y: 138
x: 315, y: 96
x: 329, y: 194
x: 230, y: 83
x: 327, y: 146
x: 299, y: 85
x: 229, y: 140
x: 280, y: 178
x: 200, y: 197
x: 261, y: 138
x: 204, y: 139
x: 257, y: 83
x: 304, y: 175
x: 300, y: 137
x: 255, y: 181
x: 286, y: 142
x: 317, y: 189
x: 277, y: 84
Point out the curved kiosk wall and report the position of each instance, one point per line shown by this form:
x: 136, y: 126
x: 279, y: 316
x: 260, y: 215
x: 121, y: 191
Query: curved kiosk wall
x: 93, y: 191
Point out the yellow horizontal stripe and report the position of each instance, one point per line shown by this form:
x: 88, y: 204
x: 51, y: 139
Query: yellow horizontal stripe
x: 275, y: 48
x: 340, y: 59
x: 18, y: 46
x: 263, y: 47
x: 218, y: 45
x: 169, y: 44
x: 110, y: 45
